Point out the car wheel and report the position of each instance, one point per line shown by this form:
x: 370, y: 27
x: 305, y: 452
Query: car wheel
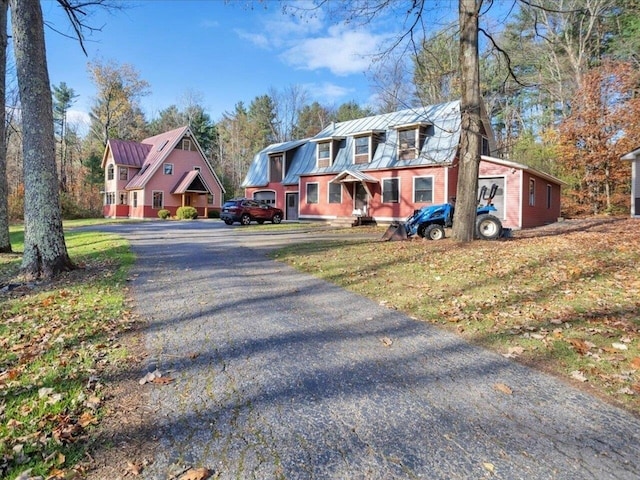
x: 488, y: 227
x: 434, y: 232
x: 245, y: 219
x: 228, y: 221
x: 276, y: 218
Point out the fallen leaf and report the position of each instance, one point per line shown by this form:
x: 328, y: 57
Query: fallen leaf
x: 133, y: 468
x: 490, y: 467
x: 579, y: 345
x: 196, y: 474
x: 501, y: 387
x: 635, y: 363
x: 578, y: 375
x: 162, y: 380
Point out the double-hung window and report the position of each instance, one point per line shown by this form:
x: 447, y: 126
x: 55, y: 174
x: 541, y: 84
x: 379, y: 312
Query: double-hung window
x: 312, y: 193
x: 158, y: 200
x: 335, y: 193
x: 390, y: 190
x: 423, y: 190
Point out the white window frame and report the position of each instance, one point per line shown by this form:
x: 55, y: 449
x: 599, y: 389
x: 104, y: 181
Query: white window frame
x: 122, y: 170
x: 369, y: 147
x: 329, y: 193
x: 186, y: 142
x: 397, y: 179
x: 111, y: 172
x: 134, y: 199
x: 166, y: 166
x: 532, y: 192
x: 415, y: 200
x: 317, y: 193
x: 211, y: 198
x: 153, y: 199
x: 330, y: 157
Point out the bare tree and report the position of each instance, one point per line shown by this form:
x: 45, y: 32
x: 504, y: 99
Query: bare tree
x: 5, y: 240
x: 45, y: 251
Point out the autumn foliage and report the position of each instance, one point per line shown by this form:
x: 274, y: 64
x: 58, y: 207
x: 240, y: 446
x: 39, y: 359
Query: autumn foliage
x: 602, y: 126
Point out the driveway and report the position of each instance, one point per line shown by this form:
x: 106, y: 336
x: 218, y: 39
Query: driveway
x: 279, y: 375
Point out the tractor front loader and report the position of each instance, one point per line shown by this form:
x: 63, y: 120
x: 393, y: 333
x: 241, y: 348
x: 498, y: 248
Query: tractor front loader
x: 429, y: 222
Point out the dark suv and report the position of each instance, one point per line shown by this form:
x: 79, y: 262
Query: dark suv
x: 245, y: 211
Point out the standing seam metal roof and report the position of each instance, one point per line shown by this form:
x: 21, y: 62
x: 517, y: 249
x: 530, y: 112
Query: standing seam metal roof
x: 439, y: 148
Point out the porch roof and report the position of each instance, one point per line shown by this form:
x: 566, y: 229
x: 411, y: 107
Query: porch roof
x: 347, y: 176
x: 191, y: 181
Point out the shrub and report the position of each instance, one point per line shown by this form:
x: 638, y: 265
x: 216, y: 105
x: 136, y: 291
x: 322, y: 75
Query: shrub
x: 187, y: 213
x: 213, y: 214
x: 164, y: 214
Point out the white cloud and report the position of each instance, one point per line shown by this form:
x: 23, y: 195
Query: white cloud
x: 80, y: 120
x: 328, y: 92
x: 342, y: 51
x: 260, y: 40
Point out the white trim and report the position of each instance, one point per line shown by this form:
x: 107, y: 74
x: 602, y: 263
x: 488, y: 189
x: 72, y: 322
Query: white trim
x: 317, y: 217
x: 433, y: 189
x: 521, y: 199
x: 369, y: 151
x: 635, y: 182
x: 164, y: 165
x: 505, y: 192
x: 446, y: 185
x: 330, y: 143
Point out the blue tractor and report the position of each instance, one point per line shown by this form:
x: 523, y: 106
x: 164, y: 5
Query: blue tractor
x: 429, y: 222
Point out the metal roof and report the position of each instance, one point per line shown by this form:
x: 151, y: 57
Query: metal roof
x: 300, y: 156
x: 191, y: 181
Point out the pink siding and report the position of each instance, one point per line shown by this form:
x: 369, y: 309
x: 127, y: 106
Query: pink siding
x: 512, y: 180
x: 540, y: 213
x: 377, y: 209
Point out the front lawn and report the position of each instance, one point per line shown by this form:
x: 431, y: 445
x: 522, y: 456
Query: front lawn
x: 564, y: 301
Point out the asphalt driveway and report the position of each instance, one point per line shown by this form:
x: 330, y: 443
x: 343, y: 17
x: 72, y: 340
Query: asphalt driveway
x: 279, y: 375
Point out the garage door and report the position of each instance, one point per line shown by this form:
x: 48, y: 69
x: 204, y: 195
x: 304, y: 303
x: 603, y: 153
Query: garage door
x: 498, y: 200
x: 265, y: 197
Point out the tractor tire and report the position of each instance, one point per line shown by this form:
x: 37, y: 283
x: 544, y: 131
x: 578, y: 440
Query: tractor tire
x: 488, y: 227
x: 433, y: 232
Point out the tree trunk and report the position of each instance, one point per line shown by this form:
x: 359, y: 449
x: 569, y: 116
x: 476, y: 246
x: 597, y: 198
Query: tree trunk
x: 5, y: 240
x: 469, y: 155
x: 45, y: 252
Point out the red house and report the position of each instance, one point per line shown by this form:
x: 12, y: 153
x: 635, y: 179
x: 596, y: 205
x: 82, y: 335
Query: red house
x: 166, y: 171
x: 384, y: 167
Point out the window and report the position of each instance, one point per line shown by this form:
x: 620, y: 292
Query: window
x: 484, y: 147
x: 210, y: 199
x: 168, y: 168
x: 532, y: 192
x: 123, y: 198
x: 324, y: 150
x: 158, y: 200
x: 186, y: 144
x: 110, y: 172
x: 423, y: 189
x: 312, y: 193
x: 275, y: 168
x: 123, y: 173
x: 110, y: 198
x: 361, y: 151
x: 549, y: 196
x: 135, y: 199
x: 407, y: 139
x: 390, y: 190
x: 335, y: 193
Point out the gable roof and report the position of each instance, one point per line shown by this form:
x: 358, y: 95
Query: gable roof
x: 521, y: 166
x: 440, y: 147
x: 633, y: 155
x: 191, y: 181
x: 149, y: 154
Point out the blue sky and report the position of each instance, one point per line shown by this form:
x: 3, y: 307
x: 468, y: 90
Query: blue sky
x: 223, y: 52
x: 220, y: 52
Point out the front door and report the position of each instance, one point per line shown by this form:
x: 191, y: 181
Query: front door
x: 292, y: 206
x: 361, y: 199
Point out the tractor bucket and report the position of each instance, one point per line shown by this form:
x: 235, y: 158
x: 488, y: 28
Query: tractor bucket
x: 396, y: 231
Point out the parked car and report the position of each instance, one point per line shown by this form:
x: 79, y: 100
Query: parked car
x: 246, y: 211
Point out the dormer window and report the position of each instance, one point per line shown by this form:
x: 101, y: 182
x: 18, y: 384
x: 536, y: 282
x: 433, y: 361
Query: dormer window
x: 324, y: 154
x: 411, y: 138
x: 362, y: 152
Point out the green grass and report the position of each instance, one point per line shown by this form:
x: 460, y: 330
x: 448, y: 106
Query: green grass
x: 562, y: 303
x: 56, y: 340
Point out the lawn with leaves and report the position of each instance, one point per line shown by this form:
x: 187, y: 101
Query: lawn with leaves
x: 563, y: 299
x: 56, y: 341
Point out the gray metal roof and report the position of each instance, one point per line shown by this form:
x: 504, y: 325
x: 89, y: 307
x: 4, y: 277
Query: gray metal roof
x: 300, y: 156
